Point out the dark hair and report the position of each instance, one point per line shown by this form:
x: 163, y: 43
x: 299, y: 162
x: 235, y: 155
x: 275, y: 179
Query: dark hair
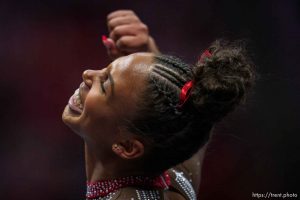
x: 220, y: 84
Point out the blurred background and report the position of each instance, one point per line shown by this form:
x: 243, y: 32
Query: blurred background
x: 45, y: 46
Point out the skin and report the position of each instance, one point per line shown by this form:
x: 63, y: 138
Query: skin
x: 100, y: 123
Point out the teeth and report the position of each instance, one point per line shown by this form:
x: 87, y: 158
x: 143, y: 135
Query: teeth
x: 77, y: 98
x: 75, y: 102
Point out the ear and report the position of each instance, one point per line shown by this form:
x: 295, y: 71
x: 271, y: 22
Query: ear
x: 129, y: 149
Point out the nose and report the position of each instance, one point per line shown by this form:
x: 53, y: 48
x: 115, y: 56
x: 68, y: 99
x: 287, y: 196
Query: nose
x: 89, y: 76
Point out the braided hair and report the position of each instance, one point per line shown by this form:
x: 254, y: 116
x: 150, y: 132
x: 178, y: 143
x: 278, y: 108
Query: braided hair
x: 220, y: 84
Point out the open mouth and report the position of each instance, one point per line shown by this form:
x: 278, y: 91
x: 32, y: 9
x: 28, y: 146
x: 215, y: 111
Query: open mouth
x: 75, y: 103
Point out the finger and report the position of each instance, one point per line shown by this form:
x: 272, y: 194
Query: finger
x: 107, y: 43
x: 117, y: 21
x: 114, y: 53
x: 128, y: 29
x: 111, y: 47
x: 120, y: 13
x: 132, y: 44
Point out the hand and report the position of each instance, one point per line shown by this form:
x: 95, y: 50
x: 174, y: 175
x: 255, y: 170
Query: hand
x: 127, y: 34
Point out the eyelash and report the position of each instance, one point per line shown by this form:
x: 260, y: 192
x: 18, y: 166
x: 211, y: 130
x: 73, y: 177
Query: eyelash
x: 102, y: 83
x: 102, y: 87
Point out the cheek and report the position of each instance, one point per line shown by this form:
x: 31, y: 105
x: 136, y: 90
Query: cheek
x: 96, y: 106
x: 97, y: 114
x: 124, y: 102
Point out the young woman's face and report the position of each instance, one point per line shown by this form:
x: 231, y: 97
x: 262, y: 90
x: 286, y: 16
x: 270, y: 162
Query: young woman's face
x: 107, y: 96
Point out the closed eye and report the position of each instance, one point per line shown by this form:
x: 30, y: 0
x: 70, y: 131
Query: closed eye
x: 102, y: 87
x: 104, y: 78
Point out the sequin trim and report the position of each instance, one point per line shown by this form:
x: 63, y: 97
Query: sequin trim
x: 185, y: 184
x: 148, y: 194
x: 102, y: 188
x: 108, y: 197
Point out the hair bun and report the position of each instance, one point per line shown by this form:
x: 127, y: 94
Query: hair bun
x: 222, y: 79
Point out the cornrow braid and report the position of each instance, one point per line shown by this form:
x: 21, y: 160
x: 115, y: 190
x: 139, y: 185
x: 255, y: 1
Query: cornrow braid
x: 163, y: 91
x: 173, y: 67
x: 174, y: 63
x: 169, y: 74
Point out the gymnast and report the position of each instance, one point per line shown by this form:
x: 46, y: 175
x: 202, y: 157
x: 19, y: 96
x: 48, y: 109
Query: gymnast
x: 145, y: 118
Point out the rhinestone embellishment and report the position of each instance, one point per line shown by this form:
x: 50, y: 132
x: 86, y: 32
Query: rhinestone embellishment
x: 108, y: 197
x: 147, y: 194
x: 185, y: 184
x: 103, y: 188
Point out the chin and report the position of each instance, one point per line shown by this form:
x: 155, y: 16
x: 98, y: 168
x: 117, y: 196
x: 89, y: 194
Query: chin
x: 71, y: 119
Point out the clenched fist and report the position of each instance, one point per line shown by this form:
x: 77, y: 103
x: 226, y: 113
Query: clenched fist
x: 127, y: 34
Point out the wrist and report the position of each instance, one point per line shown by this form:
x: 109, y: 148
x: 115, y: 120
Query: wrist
x: 152, y: 47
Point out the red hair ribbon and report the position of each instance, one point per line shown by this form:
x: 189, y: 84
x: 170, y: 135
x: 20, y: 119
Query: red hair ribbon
x: 205, y: 54
x: 185, y: 93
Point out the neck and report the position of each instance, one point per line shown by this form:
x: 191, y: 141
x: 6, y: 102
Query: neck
x: 108, y: 173
x: 96, y: 165
x: 103, y: 167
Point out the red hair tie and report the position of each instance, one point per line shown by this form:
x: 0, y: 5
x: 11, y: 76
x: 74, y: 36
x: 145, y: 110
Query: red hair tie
x: 185, y: 93
x: 205, y: 54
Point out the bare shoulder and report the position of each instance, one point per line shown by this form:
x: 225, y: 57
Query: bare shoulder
x: 172, y: 195
x: 192, y: 167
